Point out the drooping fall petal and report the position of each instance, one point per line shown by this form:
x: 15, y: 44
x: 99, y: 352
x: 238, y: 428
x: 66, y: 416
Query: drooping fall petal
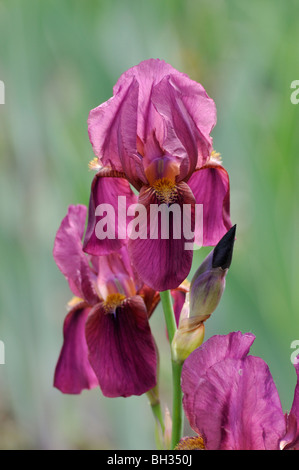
x: 161, y: 259
x: 147, y: 73
x: 104, y: 125
x: 247, y: 413
x: 210, y: 186
x: 121, y: 349
x: 73, y: 371
x: 153, y: 98
x: 70, y: 258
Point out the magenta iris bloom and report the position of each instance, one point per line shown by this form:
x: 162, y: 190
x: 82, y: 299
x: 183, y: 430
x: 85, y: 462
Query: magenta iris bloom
x: 231, y: 401
x: 107, y: 337
x: 154, y: 135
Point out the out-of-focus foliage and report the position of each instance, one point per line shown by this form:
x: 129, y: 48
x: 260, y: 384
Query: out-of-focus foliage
x: 59, y: 59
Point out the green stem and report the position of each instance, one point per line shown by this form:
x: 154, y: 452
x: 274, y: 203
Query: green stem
x: 177, y: 415
x: 168, y: 314
x: 177, y: 411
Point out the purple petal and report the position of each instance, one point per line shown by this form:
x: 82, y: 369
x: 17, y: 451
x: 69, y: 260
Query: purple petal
x: 291, y: 439
x: 69, y: 256
x: 115, y: 274
x: 73, y: 371
x: 247, y: 413
x: 163, y: 263
x: 117, y: 195
x: 148, y: 73
x: 104, y: 124
x: 189, y: 115
x: 121, y: 349
x: 127, y: 139
x: 210, y: 186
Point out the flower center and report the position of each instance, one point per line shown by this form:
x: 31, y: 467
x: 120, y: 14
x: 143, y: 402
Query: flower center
x: 112, y: 302
x: 165, y: 190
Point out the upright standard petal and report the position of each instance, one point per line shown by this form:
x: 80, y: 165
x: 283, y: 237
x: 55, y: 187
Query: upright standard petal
x: 214, y: 350
x: 73, y: 371
x: 147, y: 74
x: 115, y: 274
x: 121, y: 348
x: 69, y: 256
x: 110, y: 198
x: 104, y: 126
x: 160, y: 256
x: 210, y: 186
x: 247, y: 413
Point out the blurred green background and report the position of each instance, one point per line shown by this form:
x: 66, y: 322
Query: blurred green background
x: 58, y: 60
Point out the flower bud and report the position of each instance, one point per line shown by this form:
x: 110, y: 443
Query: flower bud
x: 208, y: 282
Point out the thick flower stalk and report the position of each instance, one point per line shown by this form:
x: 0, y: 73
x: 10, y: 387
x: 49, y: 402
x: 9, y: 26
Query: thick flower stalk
x: 153, y: 135
x: 107, y: 337
x: 231, y: 400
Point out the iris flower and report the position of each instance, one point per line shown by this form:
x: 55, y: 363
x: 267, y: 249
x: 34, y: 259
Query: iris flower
x: 153, y: 135
x: 231, y: 401
x: 107, y: 337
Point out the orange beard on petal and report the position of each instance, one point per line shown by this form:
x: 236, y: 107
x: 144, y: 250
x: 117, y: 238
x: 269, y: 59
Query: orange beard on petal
x: 191, y: 443
x: 112, y: 302
x: 165, y: 190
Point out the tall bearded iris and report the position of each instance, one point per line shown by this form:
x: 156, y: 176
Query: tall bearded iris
x: 107, y: 337
x: 154, y: 135
x: 231, y: 401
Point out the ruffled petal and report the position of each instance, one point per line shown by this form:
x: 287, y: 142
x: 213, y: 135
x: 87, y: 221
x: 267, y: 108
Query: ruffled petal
x: 247, y: 413
x: 104, y: 125
x: 210, y: 186
x: 163, y: 263
x: 214, y: 350
x: 73, y: 371
x: 110, y: 198
x: 189, y: 116
x: 69, y: 256
x: 121, y: 349
x: 291, y: 439
x: 115, y: 274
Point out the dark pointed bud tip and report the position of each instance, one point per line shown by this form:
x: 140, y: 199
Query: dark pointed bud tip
x: 223, y: 251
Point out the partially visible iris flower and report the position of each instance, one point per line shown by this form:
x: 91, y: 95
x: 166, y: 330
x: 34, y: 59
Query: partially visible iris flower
x: 154, y: 135
x: 107, y: 337
x: 231, y: 401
